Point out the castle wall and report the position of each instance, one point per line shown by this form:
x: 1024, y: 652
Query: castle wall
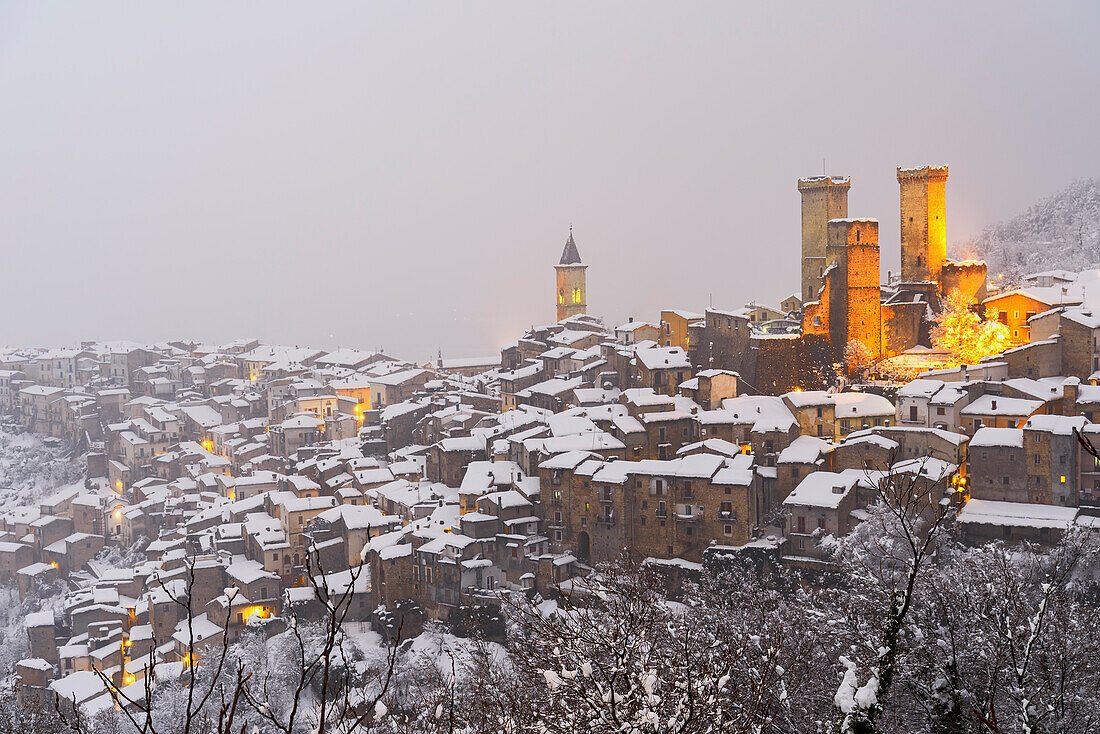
x: 902, y: 327
x: 780, y: 363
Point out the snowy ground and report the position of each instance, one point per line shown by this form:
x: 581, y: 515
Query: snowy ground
x: 32, y: 467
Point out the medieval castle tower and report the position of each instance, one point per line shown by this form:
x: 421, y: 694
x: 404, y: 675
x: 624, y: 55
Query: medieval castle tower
x: 823, y: 198
x: 842, y: 295
x: 572, y: 295
x: 923, y: 223
x: 855, y: 300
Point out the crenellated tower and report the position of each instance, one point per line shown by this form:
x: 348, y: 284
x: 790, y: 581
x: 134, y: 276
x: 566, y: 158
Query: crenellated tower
x: 572, y: 294
x: 823, y: 198
x: 923, y: 223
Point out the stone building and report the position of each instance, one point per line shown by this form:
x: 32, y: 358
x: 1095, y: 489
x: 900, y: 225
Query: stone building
x: 570, y: 270
x: 650, y: 508
x: 996, y: 465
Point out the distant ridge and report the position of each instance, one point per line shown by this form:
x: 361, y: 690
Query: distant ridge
x: 1060, y: 232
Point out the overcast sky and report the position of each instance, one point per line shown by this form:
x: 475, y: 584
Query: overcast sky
x: 404, y: 174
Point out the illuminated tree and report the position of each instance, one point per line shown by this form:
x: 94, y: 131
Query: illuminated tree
x: 858, y: 359
x: 964, y: 333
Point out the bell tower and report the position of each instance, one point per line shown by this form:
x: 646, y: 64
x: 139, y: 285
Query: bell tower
x: 572, y: 294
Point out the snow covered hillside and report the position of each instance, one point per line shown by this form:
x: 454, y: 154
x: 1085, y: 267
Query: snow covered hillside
x: 33, y: 466
x: 1060, y: 232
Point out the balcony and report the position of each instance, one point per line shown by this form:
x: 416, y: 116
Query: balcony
x: 694, y: 516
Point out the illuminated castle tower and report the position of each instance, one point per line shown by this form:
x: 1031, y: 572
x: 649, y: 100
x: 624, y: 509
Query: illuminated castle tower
x: 923, y: 223
x: 855, y: 303
x: 823, y: 198
x: 572, y: 296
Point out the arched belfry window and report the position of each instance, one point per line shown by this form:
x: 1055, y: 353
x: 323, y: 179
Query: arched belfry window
x: 561, y: 295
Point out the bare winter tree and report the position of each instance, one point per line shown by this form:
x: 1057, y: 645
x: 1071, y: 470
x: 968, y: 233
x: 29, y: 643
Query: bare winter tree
x: 886, y: 562
x: 1014, y: 642
x: 221, y: 690
x: 617, y: 656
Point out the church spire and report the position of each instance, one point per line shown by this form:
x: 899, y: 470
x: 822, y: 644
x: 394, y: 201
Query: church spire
x: 570, y: 256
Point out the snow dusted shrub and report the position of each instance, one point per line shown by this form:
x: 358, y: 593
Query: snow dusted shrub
x: 617, y: 655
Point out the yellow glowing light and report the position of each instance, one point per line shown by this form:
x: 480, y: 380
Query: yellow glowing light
x: 119, y: 484
x: 53, y: 563
x: 232, y: 495
x: 208, y: 445
x: 1063, y: 479
x: 118, y: 514
x: 798, y: 389
x: 965, y: 334
x: 130, y: 678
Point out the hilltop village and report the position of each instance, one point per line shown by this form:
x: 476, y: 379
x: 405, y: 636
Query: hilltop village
x: 234, y: 475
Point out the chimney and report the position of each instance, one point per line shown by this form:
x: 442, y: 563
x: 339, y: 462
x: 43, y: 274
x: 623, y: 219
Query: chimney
x: 994, y: 405
x: 1071, y: 389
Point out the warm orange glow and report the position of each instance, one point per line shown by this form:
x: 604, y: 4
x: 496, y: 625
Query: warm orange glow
x: 130, y: 678
x: 53, y: 563
x: 118, y: 484
x: 118, y: 514
x: 232, y: 495
x: 965, y: 334
x: 256, y: 611
x: 208, y: 445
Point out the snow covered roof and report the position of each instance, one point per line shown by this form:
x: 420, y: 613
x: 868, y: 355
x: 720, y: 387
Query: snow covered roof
x: 1000, y: 405
x: 1016, y: 514
x: 663, y: 358
x: 824, y: 489
x: 861, y: 405
x: 805, y: 450
x: 920, y: 388
x: 1061, y: 425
